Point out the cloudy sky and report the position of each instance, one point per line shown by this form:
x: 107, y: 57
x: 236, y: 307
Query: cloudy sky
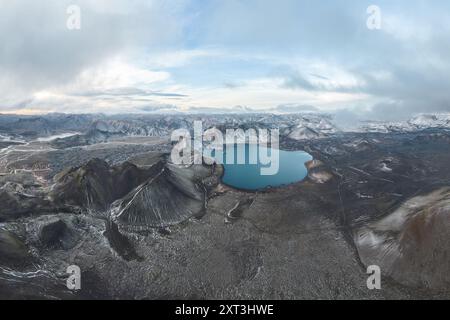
x: 142, y: 56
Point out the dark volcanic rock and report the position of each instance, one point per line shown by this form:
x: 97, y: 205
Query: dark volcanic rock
x: 121, y: 245
x: 172, y: 196
x: 13, y: 252
x: 96, y: 185
x: 56, y: 234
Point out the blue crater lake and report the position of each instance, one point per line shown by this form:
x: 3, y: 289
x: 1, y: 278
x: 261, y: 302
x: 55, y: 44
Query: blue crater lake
x: 257, y: 168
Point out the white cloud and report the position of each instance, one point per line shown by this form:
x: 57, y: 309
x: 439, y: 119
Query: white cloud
x: 179, y: 58
x: 118, y: 73
x: 265, y: 93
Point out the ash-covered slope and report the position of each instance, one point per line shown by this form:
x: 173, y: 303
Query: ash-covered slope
x: 172, y: 196
x: 412, y: 244
x: 96, y: 185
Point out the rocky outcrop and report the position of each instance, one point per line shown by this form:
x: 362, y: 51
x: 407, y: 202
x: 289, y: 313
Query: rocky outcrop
x: 13, y: 251
x: 318, y: 172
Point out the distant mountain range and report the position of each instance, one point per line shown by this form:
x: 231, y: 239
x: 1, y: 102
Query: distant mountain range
x: 93, y: 128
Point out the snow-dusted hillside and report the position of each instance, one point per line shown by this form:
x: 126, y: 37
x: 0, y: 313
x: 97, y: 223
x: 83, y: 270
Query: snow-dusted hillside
x: 424, y: 121
x: 419, y: 122
x: 296, y: 126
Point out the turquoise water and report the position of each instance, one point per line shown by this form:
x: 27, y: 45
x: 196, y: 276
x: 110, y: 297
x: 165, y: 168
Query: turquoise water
x: 249, y: 174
